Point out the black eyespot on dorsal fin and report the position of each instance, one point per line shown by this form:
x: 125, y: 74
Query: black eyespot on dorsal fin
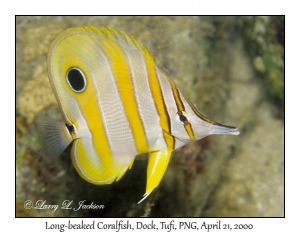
x: 76, y: 79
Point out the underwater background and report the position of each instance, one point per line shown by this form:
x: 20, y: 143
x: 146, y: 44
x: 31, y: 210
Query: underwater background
x: 231, y: 67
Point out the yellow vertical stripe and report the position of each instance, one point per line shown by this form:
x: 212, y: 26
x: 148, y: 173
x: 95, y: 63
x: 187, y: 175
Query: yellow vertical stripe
x: 180, y: 108
x: 92, y: 115
x: 159, y: 100
x: 189, y: 130
x: 179, y: 104
x: 122, y: 75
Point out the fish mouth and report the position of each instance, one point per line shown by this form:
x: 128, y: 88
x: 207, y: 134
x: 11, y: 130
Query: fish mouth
x: 223, y: 129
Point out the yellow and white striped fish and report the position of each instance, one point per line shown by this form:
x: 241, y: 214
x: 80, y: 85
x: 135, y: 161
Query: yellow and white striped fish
x: 116, y: 104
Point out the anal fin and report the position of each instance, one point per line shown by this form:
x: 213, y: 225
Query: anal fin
x: 157, y: 165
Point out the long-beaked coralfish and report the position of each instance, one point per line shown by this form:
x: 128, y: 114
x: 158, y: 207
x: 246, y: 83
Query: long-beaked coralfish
x: 116, y: 104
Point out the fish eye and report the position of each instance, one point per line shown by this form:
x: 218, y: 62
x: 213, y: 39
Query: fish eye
x: 182, y: 117
x: 76, y: 79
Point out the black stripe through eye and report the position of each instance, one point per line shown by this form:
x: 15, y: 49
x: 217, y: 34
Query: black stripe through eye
x: 182, y: 118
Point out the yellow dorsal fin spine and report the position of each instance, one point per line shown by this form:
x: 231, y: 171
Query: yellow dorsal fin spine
x: 107, y: 33
x: 95, y: 30
x: 118, y: 36
x: 88, y: 29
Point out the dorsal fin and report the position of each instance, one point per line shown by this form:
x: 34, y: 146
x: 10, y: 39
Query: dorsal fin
x: 121, y: 37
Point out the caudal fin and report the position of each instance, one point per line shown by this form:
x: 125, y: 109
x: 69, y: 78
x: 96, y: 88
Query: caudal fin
x: 56, y: 137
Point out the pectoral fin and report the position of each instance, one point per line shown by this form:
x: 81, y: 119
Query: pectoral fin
x: 157, y: 165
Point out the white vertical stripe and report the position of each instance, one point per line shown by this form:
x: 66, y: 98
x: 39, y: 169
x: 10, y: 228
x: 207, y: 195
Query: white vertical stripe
x: 114, y: 118
x: 177, y: 129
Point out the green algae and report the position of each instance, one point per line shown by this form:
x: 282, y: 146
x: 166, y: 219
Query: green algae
x: 264, y: 41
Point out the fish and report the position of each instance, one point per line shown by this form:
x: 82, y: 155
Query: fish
x: 117, y: 104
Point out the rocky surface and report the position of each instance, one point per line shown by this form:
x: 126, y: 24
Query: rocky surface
x: 213, y: 61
